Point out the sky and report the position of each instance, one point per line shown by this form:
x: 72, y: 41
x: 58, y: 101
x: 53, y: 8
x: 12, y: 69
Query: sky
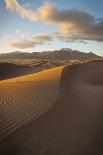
x: 41, y: 25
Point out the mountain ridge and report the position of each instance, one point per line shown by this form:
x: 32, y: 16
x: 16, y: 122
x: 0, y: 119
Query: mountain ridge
x: 62, y: 54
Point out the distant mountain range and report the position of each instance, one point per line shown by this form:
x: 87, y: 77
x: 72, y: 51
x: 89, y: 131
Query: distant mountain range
x: 62, y: 54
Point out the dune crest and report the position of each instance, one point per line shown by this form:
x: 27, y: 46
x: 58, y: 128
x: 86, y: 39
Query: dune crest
x: 74, y: 125
x: 25, y: 98
x: 9, y: 70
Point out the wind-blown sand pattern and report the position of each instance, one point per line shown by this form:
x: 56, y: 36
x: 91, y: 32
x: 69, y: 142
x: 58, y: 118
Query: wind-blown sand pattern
x: 74, y: 125
x: 25, y: 98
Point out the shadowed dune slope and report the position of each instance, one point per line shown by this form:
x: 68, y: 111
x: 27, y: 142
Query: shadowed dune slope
x: 25, y: 98
x: 74, y: 126
x: 9, y: 70
x: 46, y: 75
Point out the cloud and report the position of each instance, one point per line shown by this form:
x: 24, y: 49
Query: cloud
x: 67, y: 37
x: 14, y: 5
x: 27, y: 41
x: 73, y: 24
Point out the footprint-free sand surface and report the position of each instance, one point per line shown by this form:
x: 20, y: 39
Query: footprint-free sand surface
x: 70, y: 100
x: 25, y: 98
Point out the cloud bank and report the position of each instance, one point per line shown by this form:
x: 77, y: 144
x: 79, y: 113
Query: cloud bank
x: 74, y: 24
x: 28, y: 41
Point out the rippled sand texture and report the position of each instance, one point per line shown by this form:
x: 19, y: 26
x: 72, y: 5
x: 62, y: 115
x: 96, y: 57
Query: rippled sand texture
x: 74, y: 125
x: 25, y: 98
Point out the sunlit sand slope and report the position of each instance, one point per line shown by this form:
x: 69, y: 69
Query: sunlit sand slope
x: 25, y: 98
x: 74, y: 125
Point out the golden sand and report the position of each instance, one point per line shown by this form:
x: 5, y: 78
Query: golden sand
x: 25, y: 98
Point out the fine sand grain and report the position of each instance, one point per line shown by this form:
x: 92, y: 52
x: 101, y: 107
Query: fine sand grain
x: 74, y: 125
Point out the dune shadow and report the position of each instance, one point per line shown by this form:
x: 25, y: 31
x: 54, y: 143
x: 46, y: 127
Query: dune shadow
x: 9, y: 70
x: 73, y: 126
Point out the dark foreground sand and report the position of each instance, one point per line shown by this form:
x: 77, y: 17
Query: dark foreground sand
x: 74, y: 126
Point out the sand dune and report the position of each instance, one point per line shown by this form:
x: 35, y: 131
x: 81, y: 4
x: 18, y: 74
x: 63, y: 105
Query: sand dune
x: 24, y: 98
x: 8, y: 70
x: 73, y: 126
